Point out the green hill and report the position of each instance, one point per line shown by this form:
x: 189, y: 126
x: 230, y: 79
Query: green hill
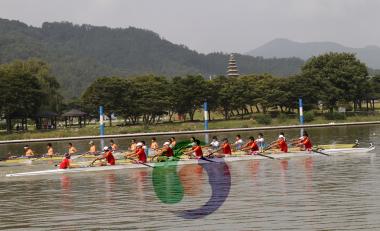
x: 78, y: 54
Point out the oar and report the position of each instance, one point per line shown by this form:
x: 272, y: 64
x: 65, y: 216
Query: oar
x: 141, y: 163
x: 204, y: 158
x: 259, y: 154
x: 316, y: 151
x: 92, y: 162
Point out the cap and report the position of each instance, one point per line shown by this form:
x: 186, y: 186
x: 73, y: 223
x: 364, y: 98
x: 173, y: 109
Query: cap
x: 281, y: 136
x: 105, y: 148
x: 139, y: 144
x: 166, y: 143
x: 91, y: 142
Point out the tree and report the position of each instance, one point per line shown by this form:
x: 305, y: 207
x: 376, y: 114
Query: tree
x: 111, y: 93
x: 22, y: 92
x: 338, y: 76
x: 190, y: 92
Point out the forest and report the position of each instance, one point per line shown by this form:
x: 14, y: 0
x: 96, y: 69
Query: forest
x: 79, y: 54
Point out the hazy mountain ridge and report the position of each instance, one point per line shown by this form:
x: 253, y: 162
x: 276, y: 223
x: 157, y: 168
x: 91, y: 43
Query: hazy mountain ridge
x: 283, y: 48
x: 79, y: 54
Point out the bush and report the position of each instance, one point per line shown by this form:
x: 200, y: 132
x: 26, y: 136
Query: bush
x: 335, y: 116
x: 282, y: 117
x: 308, y: 116
x: 263, y: 119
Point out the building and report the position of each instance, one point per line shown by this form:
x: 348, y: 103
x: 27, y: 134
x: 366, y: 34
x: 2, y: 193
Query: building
x: 232, y: 70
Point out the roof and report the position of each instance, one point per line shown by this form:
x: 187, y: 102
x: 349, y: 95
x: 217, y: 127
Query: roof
x: 46, y: 114
x: 74, y: 112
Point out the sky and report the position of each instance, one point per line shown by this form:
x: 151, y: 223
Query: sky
x: 216, y: 25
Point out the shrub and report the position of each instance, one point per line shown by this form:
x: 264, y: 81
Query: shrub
x: 308, y: 116
x: 282, y: 117
x: 263, y: 119
x: 335, y: 116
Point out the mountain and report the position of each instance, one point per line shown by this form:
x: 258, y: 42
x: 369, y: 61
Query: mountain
x: 283, y: 48
x: 78, y: 54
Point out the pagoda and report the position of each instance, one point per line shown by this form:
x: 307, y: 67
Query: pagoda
x: 232, y: 70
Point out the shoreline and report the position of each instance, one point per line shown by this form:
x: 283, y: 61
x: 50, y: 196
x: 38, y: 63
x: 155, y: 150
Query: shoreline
x: 188, y: 132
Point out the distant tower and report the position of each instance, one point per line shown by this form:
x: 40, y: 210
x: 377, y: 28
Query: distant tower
x: 232, y: 70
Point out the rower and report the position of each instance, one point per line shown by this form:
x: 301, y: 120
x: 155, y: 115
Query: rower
x: 28, y: 151
x: 72, y: 149
x: 132, y: 147
x: 139, y: 154
x: 165, y: 151
x: 173, y: 142
x: 196, y: 150
x: 215, y: 145
x: 50, y: 150
x: 260, y: 141
x: 146, y: 150
x: 304, y: 142
x: 107, y: 156
x: 65, y: 162
x: 92, y: 148
x: 280, y: 143
x: 193, y: 142
x: 251, y: 146
x: 154, y: 146
x: 238, y: 142
x: 226, y: 149
x: 113, y: 146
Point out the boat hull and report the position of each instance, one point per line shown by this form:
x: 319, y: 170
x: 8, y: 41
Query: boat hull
x: 195, y: 161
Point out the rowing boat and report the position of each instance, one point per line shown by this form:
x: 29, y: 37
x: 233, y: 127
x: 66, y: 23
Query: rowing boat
x: 53, y: 158
x: 195, y: 161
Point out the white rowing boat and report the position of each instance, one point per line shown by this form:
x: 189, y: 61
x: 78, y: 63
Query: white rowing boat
x: 201, y: 161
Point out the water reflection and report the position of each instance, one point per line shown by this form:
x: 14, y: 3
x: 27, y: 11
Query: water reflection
x: 220, y: 182
x: 66, y: 197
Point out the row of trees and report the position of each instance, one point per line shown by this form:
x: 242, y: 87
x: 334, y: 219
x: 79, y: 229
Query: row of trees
x: 333, y: 79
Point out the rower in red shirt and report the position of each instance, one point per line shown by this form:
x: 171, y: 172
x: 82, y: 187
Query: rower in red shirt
x: 65, y: 162
x: 304, y: 142
x: 139, y: 154
x: 108, y: 156
x: 281, y: 142
x: 226, y: 147
x: 166, y: 150
x: 196, y: 150
x: 251, y: 146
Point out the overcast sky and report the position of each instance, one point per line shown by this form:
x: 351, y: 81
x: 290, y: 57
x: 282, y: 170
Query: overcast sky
x: 216, y: 25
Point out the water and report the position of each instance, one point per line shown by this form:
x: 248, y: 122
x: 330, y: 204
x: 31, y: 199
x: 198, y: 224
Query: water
x: 311, y: 193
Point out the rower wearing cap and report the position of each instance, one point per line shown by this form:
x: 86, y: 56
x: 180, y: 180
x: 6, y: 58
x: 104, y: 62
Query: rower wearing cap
x: 165, y: 151
x: 28, y: 151
x: 107, y: 156
x: 65, y: 162
x: 280, y: 143
x: 196, y: 150
x: 304, y: 142
x: 225, y: 149
x: 139, y: 153
x: 92, y: 148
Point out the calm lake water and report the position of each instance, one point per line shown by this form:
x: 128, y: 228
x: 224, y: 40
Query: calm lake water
x: 311, y: 193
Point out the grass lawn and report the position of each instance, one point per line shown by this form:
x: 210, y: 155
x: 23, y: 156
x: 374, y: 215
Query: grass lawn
x: 93, y: 129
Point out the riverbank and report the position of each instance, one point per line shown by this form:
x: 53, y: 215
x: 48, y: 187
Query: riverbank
x: 93, y: 130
